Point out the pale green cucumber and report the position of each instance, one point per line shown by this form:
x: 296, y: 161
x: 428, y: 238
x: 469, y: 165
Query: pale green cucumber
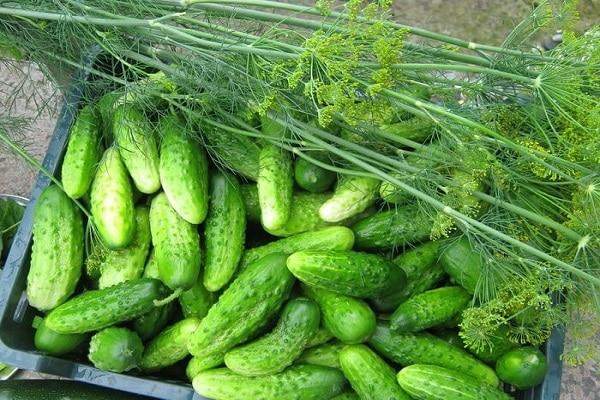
x: 275, y: 185
x: 352, y: 196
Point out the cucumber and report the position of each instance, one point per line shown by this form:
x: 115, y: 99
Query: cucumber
x: 56, y: 344
x: 346, y: 396
x: 196, y: 301
x: 176, y: 245
x: 321, y: 337
x: 391, y: 229
x: 415, y: 129
x: 299, y: 382
x: 370, y: 377
x: 327, y: 355
x: 170, y: 346
x: 275, y: 185
x: 224, y: 231
x: 346, y: 272
x: 57, y: 251
x: 150, y: 324
x: 183, y: 169
x: 422, y: 273
x: 151, y: 268
x: 311, y: 177
x: 251, y: 204
x: 197, y: 365
x: 243, y: 308
x: 429, y: 309
x: 423, y: 348
x: 523, y: 368
x: 348, y: 319
x: 272, y: 353
x: 115, y: 349
x: 430, y: 382
x: 106, y: 107
x: 128, y: 263
x: 352, y: 196
x: 463, y: 264
x: 97, y: 309
x: 111, y: 199
x: 450, y: 336
x: 135, y: 138
x: 331, y: 238
x: 82, y: 154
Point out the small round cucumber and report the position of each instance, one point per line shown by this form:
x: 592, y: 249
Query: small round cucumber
x: 429, y: 309
x: 275, y: 351
x: 115, y: 349
x: 170, y: 346
x: 369, y: 375
x: 348, y: 319
x: 55, y: 343
x: 327, y: 355
x: 311, y: 177
x: 523, y: 367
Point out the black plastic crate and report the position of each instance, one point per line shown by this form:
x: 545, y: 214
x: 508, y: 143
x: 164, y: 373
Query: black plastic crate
x: 16, y: 332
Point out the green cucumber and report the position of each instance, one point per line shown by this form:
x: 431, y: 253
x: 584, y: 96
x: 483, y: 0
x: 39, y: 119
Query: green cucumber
x: 56, y: 344
x: 450, y: 336
x: 176, y: 245
x: 422, y: 273
x: 524, y: 367
x: 415, y: 129
x: 170, y: 346
x: 224, y: 231
x: 197, y: 365
x: 183, y: 169
x: 423, y: 348
x: 115, y: 349
x: 327, y: 355
x: 311, y: 177
x: 275, y: 185
x: 272, y: 353
x: 299, y: 382
x: 135, y: 138
x: 390, y: 229
x: 429, y: 309
x: 82, y: 154
x: 97, y: 309
x: 151, y: 268
x: 243, y: 308
x: 251, y: 203
x: 196, y: 301
x: 348, y: 319
x: 463, y: 264
x: 57, y: 251
x: 321, y: 337
x: 430, y: 382
x: 111, y: 198
x: 150, y: 324
x: 352, y: 196
x: 128, y: 263
x: 346, y: 272
x: 370, y: 376
x: 106, y: 107
x: 330, y: 238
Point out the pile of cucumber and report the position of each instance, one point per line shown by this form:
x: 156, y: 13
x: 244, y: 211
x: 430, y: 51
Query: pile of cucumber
x: 318, y: 308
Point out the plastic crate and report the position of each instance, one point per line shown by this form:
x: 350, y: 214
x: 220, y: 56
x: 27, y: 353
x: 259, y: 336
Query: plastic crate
x: 16, y: 332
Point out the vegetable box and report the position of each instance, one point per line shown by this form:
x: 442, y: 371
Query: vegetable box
x: 16, y: 315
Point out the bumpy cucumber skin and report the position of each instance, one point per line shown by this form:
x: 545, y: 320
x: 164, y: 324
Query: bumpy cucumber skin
x: 111, y: 199
x: 238, y: 153
x: 423, y: 348
x: 150, y: 324
x: 275, y: 185
x: 422, y: 273
x: 176, y: 245
x: 183, y: 171
x: 277, y: 350
x: 128, y: 263
x: 331, y: 238
x: 251, y: 203
x: 170, y: 346
x: 311, y: 177
x: 390, y: 229
x: 346, y: 272
x: 197, y: 365
x: 463, y: 264
x: 428, y: 309
x: 327, y: 355
x: 321, y: 337
x: 137, y: 146
x: 82, y: 154
x: 115, y: 349
x: 196, y: 301
x: 97, y: 309
x: 151, y: 268
x: 352, y: 196
x: 54, y: 343
x: 243, y: 308
x: 299, y: 382
x: 370, y: 376
x: 348, y: 319
x: 430, y: 382
x: 224, y: 231
x: 57, y: 251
